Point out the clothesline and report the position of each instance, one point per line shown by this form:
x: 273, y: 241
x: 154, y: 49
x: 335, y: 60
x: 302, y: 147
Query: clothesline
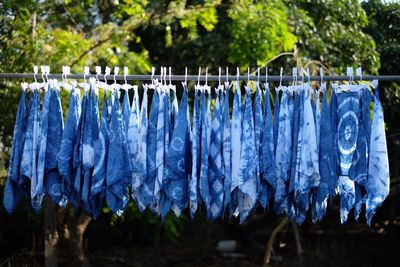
x: 261, y: 78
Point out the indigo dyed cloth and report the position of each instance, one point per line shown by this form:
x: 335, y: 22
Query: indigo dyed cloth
x: 283, y: 154
x: 178, y: 159
x: 226, y: 147
x: 55, y: 127
x: 347, y: 132
x: 101, y: 147
x: 12, y: 190
x: 268, y: 170
x: 195, y: 149
x: 119, y: 176
x: 326, y: 163
x: 247, y: 182
x: 204, y: 152
x: 66, y: 164
x: 378, y: 162
x: 236, y: 135
x: 30, y: 152
x: 215, y: 165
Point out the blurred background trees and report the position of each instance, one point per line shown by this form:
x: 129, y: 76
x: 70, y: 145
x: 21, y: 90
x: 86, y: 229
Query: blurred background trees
x: 139, y: 34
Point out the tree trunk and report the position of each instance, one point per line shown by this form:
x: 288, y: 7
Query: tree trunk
x: 71, y: 227
x: 50, y: 233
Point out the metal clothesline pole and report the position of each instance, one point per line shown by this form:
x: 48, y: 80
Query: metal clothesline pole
x: 139, y: 77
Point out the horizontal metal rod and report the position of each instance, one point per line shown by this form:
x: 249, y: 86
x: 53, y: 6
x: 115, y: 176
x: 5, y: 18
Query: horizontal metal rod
x: 223, y: 78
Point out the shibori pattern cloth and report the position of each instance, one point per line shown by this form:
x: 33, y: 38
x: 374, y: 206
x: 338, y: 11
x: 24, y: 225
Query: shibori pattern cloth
x: 290, y: 150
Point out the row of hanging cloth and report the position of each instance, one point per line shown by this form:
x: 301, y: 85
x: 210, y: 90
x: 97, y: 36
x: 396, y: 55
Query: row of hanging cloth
x: 293, y: 156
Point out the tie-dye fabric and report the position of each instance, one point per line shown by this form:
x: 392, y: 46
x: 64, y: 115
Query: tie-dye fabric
x: 226, y: 148
x: 177, y: 168
x: 12, y: 191
x: 258, y: 127
x: 247, y: 182
x: 302, y: 153
x: 283, y: 154
x: 347, y: 132
x: 30, y: 152
x: 268, y: 170
x: 326, y: 163
x: 195, y: 141
x: 215, y: 165
x: 119, y: 176
x: 236, y: 135
x: 101, y: 147
x: 66, y: 164
x: 378, y: 162
x: 204, y: 152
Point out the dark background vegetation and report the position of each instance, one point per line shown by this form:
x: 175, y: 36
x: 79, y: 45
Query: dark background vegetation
x: 332, y: 34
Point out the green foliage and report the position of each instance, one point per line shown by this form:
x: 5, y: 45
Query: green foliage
x: 332, y: 32
x: 259, y: 31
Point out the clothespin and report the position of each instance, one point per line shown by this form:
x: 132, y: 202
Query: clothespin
x: 359, y: 73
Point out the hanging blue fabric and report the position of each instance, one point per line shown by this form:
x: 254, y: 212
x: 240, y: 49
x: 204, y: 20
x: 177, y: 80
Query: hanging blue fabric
x: 133, y: 140
x: 204, y: 152
x: 297, y: 124
x: 141, y: 156
x: 347, y: 131
x: 378, y: 162
x: 177, y: 169
x: 174, y: 111
x: 159, y: 152
x: 258, y: 127
x: 126, y: 111
x: 247, y: 182
x: 101, y: 146
x: 66, y: 164
x: 326, y: 163
x: 359, y: 169
x: 276, y: 116
x: 318, y: 116
x: 31, y: 149
x: 12, y: 190
x: 38, y: 184
x: 52, y: 178
x: 236, y: 135
x: 215, y: 209
x: 90, y: 137
x: 308, y: 169
x: 119, y: 176
x: 226, y: 147
x: 268, y: 170
x: 195, y: 141
x: 283, y: 154
x: 333, y: 106
x: 147, y: 188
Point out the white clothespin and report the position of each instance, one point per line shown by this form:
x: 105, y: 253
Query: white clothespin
x: 126, y: 86
x: 206, y: 86
x: 107, y: 72
x: 359, y: 73
x: 198, y: 86
x: 184, y: 83
x: 349, y: 73
x: 266, y: 85
x: 170, y: 85
x: 85, y: 85
x: 220, y: 87
x: 35, y: 85
x: 115, y: 85
x: 24, y: 86
x: 227, y: 79
x: 153, y: 81
x: 64, y: 83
